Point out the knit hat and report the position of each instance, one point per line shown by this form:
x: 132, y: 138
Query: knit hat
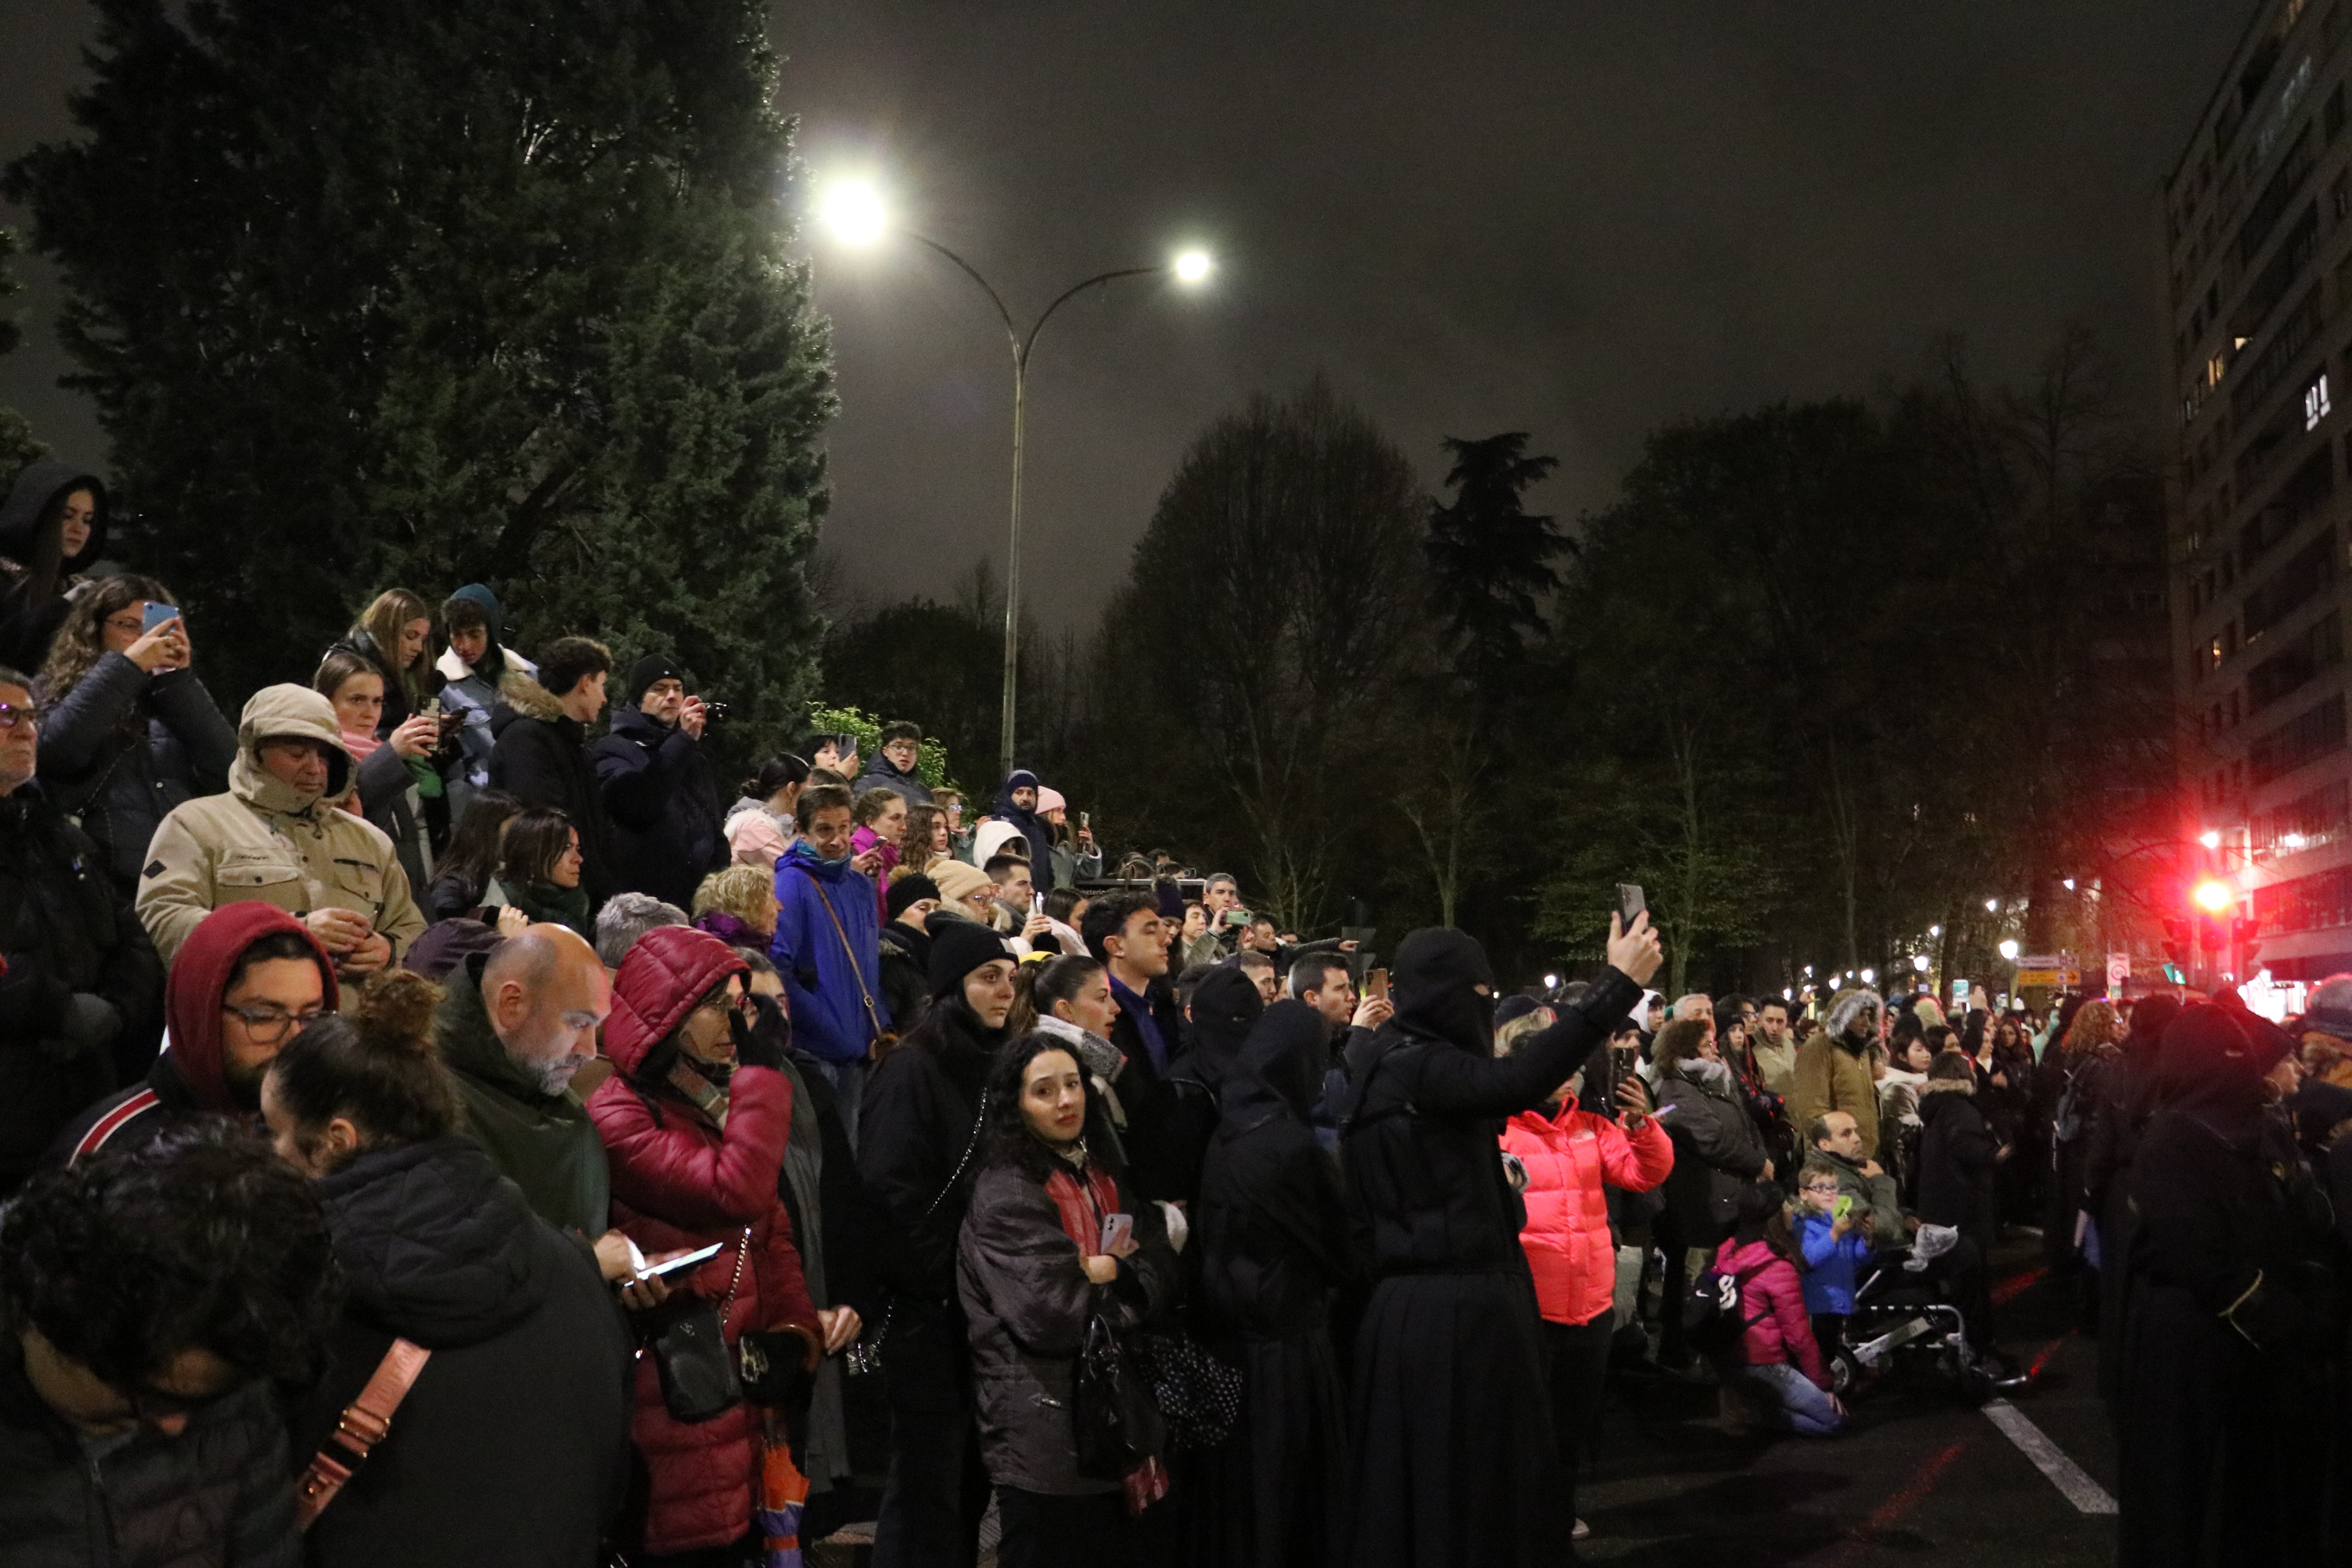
x: 653, y: 667
x: 1514, y: 1006
x: 958, y: 950
x: 956, y: 881
x: 1050, y: 800
x: 905, y: 891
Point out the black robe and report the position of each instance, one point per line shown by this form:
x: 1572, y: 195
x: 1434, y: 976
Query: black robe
x: 2223, y: 1336
x: 1271, y: 1228
x: 1453, y: 1460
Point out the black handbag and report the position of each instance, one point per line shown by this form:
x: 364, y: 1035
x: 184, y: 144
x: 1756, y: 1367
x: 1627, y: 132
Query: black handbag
x: 1115, y: 1424
x: 1198, y: 1396
x: 699, y: 1378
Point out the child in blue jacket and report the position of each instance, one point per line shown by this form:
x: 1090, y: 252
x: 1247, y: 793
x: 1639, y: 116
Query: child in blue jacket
x: 1834, y: 1250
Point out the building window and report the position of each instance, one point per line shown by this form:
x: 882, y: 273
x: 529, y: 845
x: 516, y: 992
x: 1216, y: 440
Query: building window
x: 2317, y: 405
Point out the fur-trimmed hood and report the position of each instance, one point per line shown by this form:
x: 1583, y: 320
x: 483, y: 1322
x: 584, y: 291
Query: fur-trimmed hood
x: 1947, y: 1086
x: 1848, y: 1006
x: 529, y: 699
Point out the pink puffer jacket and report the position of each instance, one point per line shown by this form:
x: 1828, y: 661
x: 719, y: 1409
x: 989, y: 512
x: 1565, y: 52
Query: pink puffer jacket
x: 1775, y: 1301
x: 1568, y: 1157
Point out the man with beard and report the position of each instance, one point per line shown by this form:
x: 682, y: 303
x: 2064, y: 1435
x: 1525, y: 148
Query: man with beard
x: 1833, y: 1068
x: 1455, y: 1457
x: 249, y: 978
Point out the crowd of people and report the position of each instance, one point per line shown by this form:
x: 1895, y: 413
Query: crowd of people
x: 438, y: 1129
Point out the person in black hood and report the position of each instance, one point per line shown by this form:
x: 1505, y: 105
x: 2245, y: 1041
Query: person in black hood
x: 1454, y: 1458
x: 2127, y: 1099
x: 1271, y: 1227
x: 1017, y: 803
x: 908, y: 909
x: 1178, y: 1114
x: 528, y: 1377
x: 52, y: 526
x: 918, y: 1149
x: 2224, y: 1313
x: 1959, y: 1153
x: 659, y: 789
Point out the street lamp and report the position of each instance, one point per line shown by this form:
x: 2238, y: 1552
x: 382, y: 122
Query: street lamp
x: 2009, y: 950
x: 856, y: 214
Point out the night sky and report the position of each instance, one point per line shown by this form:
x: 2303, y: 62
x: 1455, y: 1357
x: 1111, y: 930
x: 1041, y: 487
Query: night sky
x: 1581, y: 220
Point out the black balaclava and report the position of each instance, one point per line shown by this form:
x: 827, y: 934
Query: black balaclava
x: 1435, y: 977
x: 1279, y: 1059
x: 1224, y: 1008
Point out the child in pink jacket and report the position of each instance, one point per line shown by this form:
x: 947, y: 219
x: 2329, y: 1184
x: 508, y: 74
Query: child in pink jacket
x: 1783, y: 1364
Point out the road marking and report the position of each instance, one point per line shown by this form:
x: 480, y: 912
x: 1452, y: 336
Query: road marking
x: 2085, y: 1494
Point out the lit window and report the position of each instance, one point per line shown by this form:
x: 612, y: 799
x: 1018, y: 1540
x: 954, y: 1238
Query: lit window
x: 2316, y: 404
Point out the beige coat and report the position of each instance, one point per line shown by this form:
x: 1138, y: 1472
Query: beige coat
x: 268, y: 841
x: 1829, y: 1076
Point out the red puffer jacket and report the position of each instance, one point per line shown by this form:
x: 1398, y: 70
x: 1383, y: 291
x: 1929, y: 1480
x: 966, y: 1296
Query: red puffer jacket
x: 1568, y: 1157
x: 679, y: 1181
x: 1772, y: 1305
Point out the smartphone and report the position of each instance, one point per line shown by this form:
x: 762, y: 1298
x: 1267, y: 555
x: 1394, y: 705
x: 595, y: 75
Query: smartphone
x: 1376, y: 983
x: 1087, y: 822
x: 703, y: 1255
x: 1116, y: 1227
x: 157, y: 614
x: 1631, y: 904
x: 1844, y: 1206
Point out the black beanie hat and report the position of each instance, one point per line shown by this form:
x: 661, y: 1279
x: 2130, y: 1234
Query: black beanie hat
x: 963, y: 947
x: 906, y: 890
x: 645, y: 673
x: 1514, y: 1007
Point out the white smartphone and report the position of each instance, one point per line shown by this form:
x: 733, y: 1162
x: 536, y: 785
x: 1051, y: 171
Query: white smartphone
x: 703, y: 1255
x: 1116, y: 1227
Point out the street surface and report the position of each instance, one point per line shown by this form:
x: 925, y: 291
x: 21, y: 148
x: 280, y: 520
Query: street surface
x: 1916, y: 1478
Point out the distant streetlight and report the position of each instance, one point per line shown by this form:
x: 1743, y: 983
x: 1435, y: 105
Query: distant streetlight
x: 857, y: 215
x: 2210, y: 838
x: 1919, y: 961
x: 1992, y: 906
x: 1870, y: 978
x: 2009, y: 950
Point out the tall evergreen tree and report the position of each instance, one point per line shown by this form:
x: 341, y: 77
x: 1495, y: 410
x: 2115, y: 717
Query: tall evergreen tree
x: 1490, y: 558
x: 17, y: 444
x: 422, y: 291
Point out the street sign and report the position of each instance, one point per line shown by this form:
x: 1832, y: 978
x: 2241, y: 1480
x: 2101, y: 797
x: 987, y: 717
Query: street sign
x: 2118, y: 973
x: 2045, y: 961
x: 2066, y: 979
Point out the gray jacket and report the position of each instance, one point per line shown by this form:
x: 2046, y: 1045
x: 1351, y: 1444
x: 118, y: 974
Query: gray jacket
x: 1708, y: 1121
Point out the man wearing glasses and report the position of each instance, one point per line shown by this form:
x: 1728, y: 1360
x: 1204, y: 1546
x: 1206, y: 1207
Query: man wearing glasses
x: 82, y: 978
x: 249, y: 978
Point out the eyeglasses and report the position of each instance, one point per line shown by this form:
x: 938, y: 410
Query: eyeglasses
x: 11, y: 716
x: 1811, y: 1188
x: 268, y: 1026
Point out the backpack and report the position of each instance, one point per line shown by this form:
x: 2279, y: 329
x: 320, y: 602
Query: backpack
x: 1711, y: 1322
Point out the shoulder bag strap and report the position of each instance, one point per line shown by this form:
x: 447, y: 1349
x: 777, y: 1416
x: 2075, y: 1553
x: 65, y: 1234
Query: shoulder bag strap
x: 856, y: 973
x: 363, y: 1424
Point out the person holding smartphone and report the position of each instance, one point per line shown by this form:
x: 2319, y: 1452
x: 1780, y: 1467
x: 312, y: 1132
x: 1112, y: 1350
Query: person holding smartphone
x: 1835, y: 1247
x: 128, y: 731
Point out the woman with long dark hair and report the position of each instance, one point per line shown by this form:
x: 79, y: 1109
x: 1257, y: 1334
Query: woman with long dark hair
x: 1053, y: 1239
x: 127, y: 730
x: 539, y: 869
x: 468, y: 873
x: 52, y: 526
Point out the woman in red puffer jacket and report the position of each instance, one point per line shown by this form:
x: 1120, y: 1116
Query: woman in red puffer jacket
x: 696, y: 1140
x: 1568, y: 1153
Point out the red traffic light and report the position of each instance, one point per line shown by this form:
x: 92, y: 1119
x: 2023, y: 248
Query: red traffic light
x: 2213, y: 896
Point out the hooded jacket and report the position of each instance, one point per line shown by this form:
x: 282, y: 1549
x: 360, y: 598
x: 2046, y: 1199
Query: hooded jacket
x: 1426, y: 1098
x: 266, y: 841
x: 540, y: 757
x: 1772, y: 1305
x: 472, y: 690
x: 1834, y: 1072
x: 1271, y: 1222
x: 1032, y: 826
x: 545, y: 1143
x: 217, y: 1493
x: 658, y: 792
x: 120, y: 748
x: 29, y: 621
x: 682, y: 1179
x: 190, y: 1078
x: 80, y: 981
x: 527, y: 1382
x: 827, y: 947
x: 1177, y: 1113
x: 1571, y: 1156
x: 1957, y: 1156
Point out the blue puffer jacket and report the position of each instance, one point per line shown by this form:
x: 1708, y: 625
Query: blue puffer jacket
x: 829, y: 998
x: 1833, y: 1263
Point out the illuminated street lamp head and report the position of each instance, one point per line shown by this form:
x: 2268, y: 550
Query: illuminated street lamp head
x: 2212, y: 897
x: 1919, y: 961
x: 2009, y: 950
x: 2210, y: 838
x: 853, y: 212
x: 1191, y: 266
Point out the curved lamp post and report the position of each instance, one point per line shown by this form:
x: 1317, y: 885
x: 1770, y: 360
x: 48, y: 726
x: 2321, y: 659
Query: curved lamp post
x: 856, y: 214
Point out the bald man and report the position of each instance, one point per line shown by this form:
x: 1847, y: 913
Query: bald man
x: 515, y: 1024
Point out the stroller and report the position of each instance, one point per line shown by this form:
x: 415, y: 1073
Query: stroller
x: 1903, y: 1324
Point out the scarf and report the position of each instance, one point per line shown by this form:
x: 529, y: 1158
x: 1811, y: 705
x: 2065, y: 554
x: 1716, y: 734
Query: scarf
x: 705, y: 1096
x: 1083, y: 1207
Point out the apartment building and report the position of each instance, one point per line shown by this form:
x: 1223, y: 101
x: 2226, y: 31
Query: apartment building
x: 2258, y: 228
